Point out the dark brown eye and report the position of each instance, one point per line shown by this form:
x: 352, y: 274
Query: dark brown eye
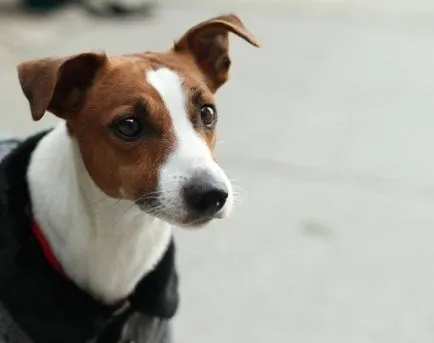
x: 128, y: 129
x: 208, y: 116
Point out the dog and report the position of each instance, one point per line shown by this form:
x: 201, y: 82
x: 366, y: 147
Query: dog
x: 87, y: 207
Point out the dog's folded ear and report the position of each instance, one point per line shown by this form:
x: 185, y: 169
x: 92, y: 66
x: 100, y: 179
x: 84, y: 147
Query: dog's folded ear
x: 58, y: 85
x: 208, y: 43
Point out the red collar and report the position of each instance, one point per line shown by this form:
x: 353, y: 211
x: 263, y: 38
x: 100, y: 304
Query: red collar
x: 49, y: 255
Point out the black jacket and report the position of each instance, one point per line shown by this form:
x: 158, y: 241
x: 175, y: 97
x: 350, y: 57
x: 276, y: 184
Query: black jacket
x: 50, y: 308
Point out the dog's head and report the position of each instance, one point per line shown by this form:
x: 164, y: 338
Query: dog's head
x: 145, y: 123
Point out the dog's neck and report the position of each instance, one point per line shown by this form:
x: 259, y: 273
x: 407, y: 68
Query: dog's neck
x: 104, y: 245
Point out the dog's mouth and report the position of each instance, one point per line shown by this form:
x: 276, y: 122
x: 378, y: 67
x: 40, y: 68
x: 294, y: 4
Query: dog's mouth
x: 175, y: 214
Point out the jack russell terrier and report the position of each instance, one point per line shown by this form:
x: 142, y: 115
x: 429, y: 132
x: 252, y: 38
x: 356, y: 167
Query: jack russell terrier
x: 87, y: 208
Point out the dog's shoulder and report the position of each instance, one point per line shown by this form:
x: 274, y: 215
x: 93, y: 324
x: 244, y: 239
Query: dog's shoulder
x: 7, y: 144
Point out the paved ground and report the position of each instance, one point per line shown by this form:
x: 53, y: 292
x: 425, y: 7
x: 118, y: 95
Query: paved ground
x: 328, y: 129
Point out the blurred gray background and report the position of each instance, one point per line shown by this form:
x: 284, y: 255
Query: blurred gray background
x: 327, y: 131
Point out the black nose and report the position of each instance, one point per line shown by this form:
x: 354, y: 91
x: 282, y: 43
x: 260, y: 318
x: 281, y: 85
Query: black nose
x: 205, y: 198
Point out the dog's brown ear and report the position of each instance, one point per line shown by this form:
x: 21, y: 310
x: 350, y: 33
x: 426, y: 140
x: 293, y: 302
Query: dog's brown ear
x: 208, y: 43
x: 58, y: 85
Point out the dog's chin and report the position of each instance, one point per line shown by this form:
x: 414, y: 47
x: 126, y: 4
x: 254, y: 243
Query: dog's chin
x: 179, y: 218
x: 187, y: 221
x: 196, y: 223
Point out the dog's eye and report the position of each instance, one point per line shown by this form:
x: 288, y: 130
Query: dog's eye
x: 208, y: 116
x: 128, y: 129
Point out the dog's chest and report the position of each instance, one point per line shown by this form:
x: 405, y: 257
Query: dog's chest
x: 111, y: 265
x: 108, y: 254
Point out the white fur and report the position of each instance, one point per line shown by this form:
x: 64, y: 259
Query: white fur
x: 103, y: 244
x: 190, y: 154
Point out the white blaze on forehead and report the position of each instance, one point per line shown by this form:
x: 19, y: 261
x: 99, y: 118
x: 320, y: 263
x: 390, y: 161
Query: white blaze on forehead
x: 169, y: 85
